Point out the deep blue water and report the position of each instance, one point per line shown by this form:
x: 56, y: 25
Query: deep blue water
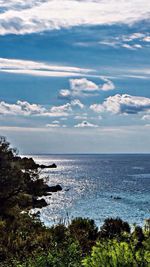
x: 90, y: 183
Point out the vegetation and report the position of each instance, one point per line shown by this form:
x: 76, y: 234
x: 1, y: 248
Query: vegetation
x: 26, y: 242
x: 114, y: 253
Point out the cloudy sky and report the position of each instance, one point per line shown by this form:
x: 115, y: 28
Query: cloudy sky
x: 75, y: 75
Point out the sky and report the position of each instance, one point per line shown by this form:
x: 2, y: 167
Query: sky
x: 75, y: 75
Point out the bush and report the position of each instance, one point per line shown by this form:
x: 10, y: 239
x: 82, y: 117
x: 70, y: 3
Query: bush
x: 117, y: 254
x: 113, y: 228
x: 85, y: 231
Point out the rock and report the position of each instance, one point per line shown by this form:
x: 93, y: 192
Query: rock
x: 29, y: 164
x: 47, y: 166
x: 53, y: 165
x: 39, y: 188
x: 38, y: 203
x: 55, y: 188
x: 49, y: 189
x: 116, y: 198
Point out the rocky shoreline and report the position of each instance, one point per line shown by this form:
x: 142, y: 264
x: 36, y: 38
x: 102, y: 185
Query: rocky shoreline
x: 36, y: 188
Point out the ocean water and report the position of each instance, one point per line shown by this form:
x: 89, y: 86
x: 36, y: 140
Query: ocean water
x: 91, y: 184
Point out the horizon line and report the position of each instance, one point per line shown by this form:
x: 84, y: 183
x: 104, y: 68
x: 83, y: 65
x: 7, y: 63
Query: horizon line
x: 104, y: 153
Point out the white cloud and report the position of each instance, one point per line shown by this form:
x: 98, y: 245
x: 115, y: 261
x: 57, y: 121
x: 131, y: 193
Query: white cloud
x: 98, y: 108
x: 23, y: 108
x: 108, y: 85
x: 23, y: 16
x: 82, y: 85
x: 109, y: 43
x: 123, y: 104
x: 85, y: 87
x: 66, y: 109
x: 63, y: 119
x: 44, y: 73
x: 137, y: 46
x: 132, y: 47
x: 19, y: 4
x: 34, y: 68
x: 125, y: 41
x: 146, y: 39
x: 146, y: 117
x: 52, y: 125
x: 135, y: 76
x: 81, y: 117
x: 77, y: 102
x: 55, y: 122
x: 64, y: 93
x: 127, y: 46
x: 86, y: 124
x: 63, y: 109
x: 132, y: 37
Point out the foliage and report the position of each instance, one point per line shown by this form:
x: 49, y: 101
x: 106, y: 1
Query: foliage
x: 85, y: 231
x: 19, y: 181
x: 117, y: 254
x: 113, y: 228
x: 12, y: 180
x: 26, y: 242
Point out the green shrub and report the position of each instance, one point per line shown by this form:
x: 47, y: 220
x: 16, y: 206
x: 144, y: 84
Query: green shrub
x: 117, y: 254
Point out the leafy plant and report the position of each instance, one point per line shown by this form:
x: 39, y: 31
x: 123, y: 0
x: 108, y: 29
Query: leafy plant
x: 112, y: 253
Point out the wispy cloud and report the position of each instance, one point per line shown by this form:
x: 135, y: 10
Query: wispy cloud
x: 21, y: 17
x: 146, y: 117
x: 132, y: 47
x: 53, y: 125
x: 81, y: 117
x: 134, y: 41
x: 56, y: 124
x: 132, y: 37
x: 39, y: 68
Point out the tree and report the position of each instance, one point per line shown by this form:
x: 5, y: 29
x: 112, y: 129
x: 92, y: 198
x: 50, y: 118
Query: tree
x: 113, y: 227
x: 14, y: 179
x: 85, y: 231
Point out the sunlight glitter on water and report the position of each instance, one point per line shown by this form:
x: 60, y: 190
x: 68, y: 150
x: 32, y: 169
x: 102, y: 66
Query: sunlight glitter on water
x: 91, y: 184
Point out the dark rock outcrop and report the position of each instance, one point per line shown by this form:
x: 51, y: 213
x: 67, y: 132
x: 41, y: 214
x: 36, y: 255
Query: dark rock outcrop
x: 29, y: 164
x: 116, y: 198
x: 52, y: 166
x: 38, y: 203
x: 39, y: 188
x: 55, y: 188
x: 45, y: 190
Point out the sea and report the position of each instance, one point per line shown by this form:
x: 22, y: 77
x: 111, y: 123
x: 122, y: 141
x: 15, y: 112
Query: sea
x: 97, y: 186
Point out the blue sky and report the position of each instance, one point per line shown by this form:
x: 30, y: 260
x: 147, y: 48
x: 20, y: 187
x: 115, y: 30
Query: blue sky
x: 75, y: 75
